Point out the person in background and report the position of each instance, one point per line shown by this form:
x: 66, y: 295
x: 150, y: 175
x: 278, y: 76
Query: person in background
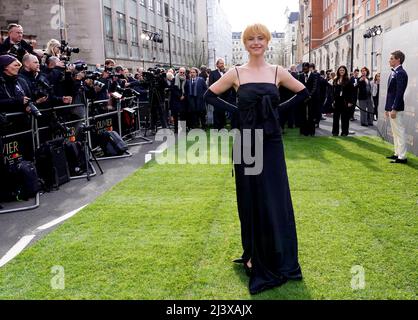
x: 196, y: 88
x: 354, y: 82
x: 395, y: 105
x: 365, y: 98
x: 308, y: 111
x: 178, y: 102
x: 14, y: 44
x: 219, y: 116
x: 343, y: 102
x: 375, y: 94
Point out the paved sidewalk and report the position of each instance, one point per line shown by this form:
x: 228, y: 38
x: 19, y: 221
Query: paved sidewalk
x: 325, y: 127
x: 70, y: 196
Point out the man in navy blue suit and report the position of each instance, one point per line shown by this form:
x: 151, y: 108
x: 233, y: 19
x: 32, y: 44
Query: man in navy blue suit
x: 395, y: 105
x: 196, y: 88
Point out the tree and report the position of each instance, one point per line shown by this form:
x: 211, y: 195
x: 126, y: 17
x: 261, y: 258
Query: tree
x: 199, y: 55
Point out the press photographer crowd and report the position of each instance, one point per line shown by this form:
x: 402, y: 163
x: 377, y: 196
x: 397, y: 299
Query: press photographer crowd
x: 35, y: 84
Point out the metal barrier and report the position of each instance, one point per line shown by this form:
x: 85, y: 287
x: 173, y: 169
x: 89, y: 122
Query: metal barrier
x: 87, y: 120
x: 12, y: 135
x: 136, y: 134
x: 94, y: 118
x: 89, y: 166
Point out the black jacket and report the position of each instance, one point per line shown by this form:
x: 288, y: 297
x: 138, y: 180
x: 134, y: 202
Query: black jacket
x: 398, y: 82
x: 343, y: 95
x: 11, y: 95
x: 364, y: 90
x: 312, y: 84
x: 23, y: 47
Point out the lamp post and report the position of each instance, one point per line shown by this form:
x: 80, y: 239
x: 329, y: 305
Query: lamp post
x: 214, y: 57
x: 352, y: 34
x: 310, y: 36
x: 168, y: 20
x: 293, y: 60
x: 203, y: 51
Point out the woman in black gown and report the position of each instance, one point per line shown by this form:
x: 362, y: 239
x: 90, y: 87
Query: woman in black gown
x: 265, y: 208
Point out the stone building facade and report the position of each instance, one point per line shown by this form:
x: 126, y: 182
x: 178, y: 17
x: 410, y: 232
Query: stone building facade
x: 331, y: 34
x: 113, y: 28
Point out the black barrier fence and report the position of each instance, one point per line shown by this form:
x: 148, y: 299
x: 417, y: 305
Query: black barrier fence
x: 26, y: 134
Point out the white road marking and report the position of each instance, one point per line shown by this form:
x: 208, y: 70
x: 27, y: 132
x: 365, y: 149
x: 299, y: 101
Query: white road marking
x: 60, y: 219
x: 16, y: 249
x: 160, y: 149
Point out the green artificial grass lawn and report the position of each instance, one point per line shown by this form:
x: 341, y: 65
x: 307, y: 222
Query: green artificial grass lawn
x: 171, y: 232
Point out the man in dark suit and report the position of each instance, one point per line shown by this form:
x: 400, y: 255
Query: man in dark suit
x: 308, y: 111
x: 395, y: 105
x: 197, y: 107
x: 287, y: 115
x: 14, y: 43
x: 354, y: 82
x: 219, y: 117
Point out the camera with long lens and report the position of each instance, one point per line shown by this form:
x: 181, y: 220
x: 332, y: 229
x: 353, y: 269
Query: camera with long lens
x: 154, y: 77
x: 95, y: 76
x: 33, y: 110
x: 80, y: 66
x: 127, y: 92
x: 42, y: 88
x: 67, y: 50
x: 56, y: 124
x: 17, y: 50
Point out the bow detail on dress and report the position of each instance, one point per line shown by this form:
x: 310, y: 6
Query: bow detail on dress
x: 260, y: 114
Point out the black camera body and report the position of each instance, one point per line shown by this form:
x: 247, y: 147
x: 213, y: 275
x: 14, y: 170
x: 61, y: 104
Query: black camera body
x: 154, y: 77
x: 42, y: 88
x: 67, y: 50
x: 17, y: 50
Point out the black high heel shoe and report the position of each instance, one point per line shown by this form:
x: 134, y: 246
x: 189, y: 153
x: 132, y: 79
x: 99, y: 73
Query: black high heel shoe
x: 244, y: 262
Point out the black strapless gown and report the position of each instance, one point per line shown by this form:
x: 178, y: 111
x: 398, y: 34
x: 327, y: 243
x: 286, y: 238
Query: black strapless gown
x: 265, y: 207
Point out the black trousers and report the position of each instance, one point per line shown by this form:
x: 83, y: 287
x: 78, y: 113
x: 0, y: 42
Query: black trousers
x: 343, y: 113
x: 307, y: 117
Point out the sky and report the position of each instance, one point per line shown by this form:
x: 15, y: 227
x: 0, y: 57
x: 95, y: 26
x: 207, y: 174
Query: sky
x: 270, y: 12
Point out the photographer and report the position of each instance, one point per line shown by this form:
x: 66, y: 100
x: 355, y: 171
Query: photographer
x: 12, y: 96
x: 36, y: 85
x: 118, y: 78
x: 14, y: 43
x: 60, y: 78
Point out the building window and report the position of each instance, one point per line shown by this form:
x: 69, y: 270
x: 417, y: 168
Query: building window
x: 368, y: 8
x: 108, y: 23
x: 377, y: 5
x: 134, y: 32
x: 159, y: 9
x: 121, y: 26
x: 151, y: 5
x: 166, y: 9
x: 342, y: 8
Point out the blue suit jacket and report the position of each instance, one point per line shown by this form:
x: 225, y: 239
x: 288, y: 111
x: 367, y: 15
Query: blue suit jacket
x: 396, y: 90
x: 196, y: 103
